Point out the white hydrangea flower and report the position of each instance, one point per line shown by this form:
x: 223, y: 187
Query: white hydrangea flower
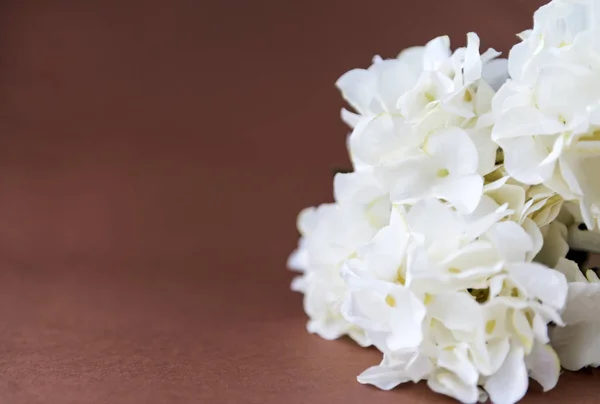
x: 456, y: 300
x: 411, y: 109
x: 330, y: 234
x: 446, y: 247
x: 548, y: 114
x: 578, y: 343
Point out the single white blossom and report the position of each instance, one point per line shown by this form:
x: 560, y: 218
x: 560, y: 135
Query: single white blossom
x: 445, y: 168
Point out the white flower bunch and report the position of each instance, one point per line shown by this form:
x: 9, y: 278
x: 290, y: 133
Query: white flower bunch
x: 474, y: 176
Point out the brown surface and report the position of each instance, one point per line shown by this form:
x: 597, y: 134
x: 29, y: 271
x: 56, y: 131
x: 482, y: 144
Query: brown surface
x: 152, y: 160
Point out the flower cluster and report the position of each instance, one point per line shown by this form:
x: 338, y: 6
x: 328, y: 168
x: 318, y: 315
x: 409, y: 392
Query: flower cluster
x: 446, y: 247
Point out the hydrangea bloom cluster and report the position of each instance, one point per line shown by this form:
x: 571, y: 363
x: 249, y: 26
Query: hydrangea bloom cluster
x: 446, y: 247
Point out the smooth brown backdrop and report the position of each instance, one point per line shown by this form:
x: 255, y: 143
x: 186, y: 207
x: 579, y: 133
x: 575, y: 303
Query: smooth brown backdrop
x: 153, y: 157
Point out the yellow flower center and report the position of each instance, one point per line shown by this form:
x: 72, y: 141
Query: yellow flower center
x: 443, y: 172
x: 468, y: 97
x: 489, y: 326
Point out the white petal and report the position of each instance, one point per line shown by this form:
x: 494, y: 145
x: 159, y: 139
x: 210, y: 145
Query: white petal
x: 412, y: 180
x: 540, y: 329
x: 364, y: 304
x: 539, y: 281
x: 298, y: 260
x: 444, y: 382
x: 543, y: 365
x: 425, y: 217
x: 523, y: 330
x: 498, y: 350
x: 458, y: 362
x: 536, y: 236
x: 489, y: 55
x: 479, y: 255
x: 496, y: 284
x: 357, y: 87
x: 330, y: 329
x: 498, y: 184
x: 356, y: 187
x: 357, y: 163
x: 513, y: 195
x: 308, y: 219
x: 556, y: 151
x: 558, y: 183
x: 453, y: 150
x: 384, y: 307
x: 573, y: 171
x: 412, y: 56
x: 522, y: 159
x: 555, y: 247
x: 485, y: 215
x: 483, y: 107
x: 436, y: 52
x: 509, y: 96
x: 359, y: 336
x: 406, y: 321
x: 373, y: 140
x: 509, y: 384
x: 464, y: 193
x: 299, y: 284
x: 577, y: 345
x: 583, y: 303
x: 511, y: 240
x: 468, y: 318
x: 394, y: 78
x: 548, y: 314
x: 396, y: 370
x: 385, y: 253
x: 472, y: 64
x: 583, y: 178
x: 486, y: 150
x: 525, y: 121
x: 349, y: 118
x: 419, y: 367
x: 384, y: 378
x: 571, y: 271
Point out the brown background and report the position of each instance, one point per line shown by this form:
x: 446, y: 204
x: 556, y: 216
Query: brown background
x: 153, y: 156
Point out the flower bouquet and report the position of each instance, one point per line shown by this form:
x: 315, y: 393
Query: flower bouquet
x: 475, y: 182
